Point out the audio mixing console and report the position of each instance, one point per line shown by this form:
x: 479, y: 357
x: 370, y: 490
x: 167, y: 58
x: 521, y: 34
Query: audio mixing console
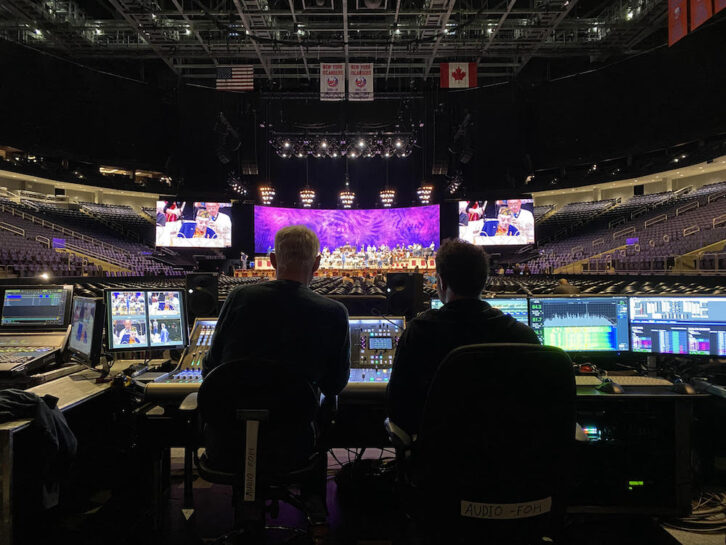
x: 187, y: 376
x: 373, y: 342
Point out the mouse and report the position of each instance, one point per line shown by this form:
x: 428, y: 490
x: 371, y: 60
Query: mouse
x: 683, y: 388
x: 610, y: 387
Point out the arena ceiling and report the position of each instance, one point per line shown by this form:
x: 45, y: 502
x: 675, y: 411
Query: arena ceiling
x: 288, y: 39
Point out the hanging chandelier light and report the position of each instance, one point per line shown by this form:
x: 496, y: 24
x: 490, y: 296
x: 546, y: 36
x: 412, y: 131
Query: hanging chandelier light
x: 267, y: 194
x: 307, y: 196
x: 387, y: 195
x: 347, y: 196
x: 424, y: 193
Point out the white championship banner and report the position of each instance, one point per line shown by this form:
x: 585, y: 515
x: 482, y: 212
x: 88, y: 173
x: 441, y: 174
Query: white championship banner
x: 332, y: 81
x: 360, y: 81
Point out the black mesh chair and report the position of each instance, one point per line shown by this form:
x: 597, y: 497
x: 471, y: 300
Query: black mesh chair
x: 497, y: 434
x: 260, y: 433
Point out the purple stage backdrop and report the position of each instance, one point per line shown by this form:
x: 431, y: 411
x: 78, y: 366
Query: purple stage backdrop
x: 335, y: 228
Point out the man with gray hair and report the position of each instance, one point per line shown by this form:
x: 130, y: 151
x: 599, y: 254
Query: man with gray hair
x: 285, y: 320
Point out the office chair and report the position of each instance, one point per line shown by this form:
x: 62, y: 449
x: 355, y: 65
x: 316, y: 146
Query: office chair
x: 259, y: 433
x: 489, y: 461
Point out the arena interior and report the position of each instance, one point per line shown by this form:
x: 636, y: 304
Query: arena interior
x: 580, y: 143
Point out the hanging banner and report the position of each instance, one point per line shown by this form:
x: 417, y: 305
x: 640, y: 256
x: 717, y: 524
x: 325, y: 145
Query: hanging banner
x: 677, y: 20
x: 360, y: 81
x: 332, y: 81
x: 457, y: 75
x: 719, y: 5
x: 701, y: 12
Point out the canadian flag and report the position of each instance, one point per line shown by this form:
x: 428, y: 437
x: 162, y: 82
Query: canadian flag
x: 458, y: 75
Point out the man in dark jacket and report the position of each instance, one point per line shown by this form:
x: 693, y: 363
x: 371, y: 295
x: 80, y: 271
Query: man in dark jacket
x: 461, y: 274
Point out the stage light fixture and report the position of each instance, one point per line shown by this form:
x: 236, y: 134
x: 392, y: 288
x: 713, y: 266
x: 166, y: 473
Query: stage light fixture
x: 346, y: 198
x: 307, y: 196
x: 267, y: 194
x: 424, y: 193
x: 387, y: 195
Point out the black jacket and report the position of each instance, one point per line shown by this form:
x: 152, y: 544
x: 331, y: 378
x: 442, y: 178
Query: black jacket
x: 427, y: 340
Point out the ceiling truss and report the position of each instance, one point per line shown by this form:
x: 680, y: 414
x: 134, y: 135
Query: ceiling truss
x: 288, y: 39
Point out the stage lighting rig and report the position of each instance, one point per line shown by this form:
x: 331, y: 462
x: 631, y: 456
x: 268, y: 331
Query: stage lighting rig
x: 348, y: 144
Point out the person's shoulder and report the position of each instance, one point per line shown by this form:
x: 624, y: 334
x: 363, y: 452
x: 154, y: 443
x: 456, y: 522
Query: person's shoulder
x: 326, y: 303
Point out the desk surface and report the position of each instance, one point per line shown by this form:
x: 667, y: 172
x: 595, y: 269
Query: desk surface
x: 70, y: 391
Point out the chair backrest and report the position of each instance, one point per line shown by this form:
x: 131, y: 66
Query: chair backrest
x: 286, y: 438
x: 497, y: 429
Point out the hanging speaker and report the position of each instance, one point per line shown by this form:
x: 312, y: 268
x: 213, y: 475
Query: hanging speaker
x: 202, y: 294
x: 405, y: 294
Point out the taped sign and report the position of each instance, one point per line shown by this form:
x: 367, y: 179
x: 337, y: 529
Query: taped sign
x: 504, y: 511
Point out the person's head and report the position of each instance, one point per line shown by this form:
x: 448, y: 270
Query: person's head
x: 515, y: 205
x: 127, y: 324
x: 461, y: 270
x: 504, y: 217
x: 212, y: 208
x: 563, y: 282
x: 202, y: 220
x: 160, y: 205
x: 163, y: 326
x: 296, y: 256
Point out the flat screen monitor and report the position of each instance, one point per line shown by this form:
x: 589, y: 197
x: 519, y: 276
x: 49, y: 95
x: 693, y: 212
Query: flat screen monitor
x: 30, y: 307
x: 344, y: 233
x: 581, y: 324
x: 436, y: 303
x: 516, y: 307
x: 694, y: 326
x: 182, y: 224
x: 504, y: 222
x: 85, y: 340
x: 140, y: 319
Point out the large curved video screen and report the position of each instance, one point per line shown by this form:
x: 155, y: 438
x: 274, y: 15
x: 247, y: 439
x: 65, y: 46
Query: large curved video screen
x: 508, y: 222
x: 389, y: 227
x: 193, y: 224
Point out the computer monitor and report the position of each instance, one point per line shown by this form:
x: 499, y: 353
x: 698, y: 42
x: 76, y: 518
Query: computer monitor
x: 516, y: 307
x: 695, y: 326
x: 581, y: 324
x: 151, y: 318
x: 36, y: 308
x: 84, y: 344
x: 436, y: 303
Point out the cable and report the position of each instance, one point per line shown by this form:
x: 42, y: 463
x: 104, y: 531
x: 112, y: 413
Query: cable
x: 708, y: 515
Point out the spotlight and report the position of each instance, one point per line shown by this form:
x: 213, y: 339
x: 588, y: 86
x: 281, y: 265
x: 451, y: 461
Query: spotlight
x: 361, y: 144
x: 286, y: 144
x: 323, y: 144
x: 399, y: 144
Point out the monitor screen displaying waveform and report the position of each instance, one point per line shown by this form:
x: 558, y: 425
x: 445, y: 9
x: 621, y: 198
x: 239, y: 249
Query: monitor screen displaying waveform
x: 516, y: 307
x: 581, y: 324
x: 695, y: 326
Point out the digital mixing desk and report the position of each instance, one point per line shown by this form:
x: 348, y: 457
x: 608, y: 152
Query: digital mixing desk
x: 187, y: 376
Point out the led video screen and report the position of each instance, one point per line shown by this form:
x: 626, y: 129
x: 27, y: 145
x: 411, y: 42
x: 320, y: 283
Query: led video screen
x: 193, y: 224
x: 508, y: 222
x: 416, y: 227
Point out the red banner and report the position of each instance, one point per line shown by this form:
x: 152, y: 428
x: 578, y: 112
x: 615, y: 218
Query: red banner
x: 701, y: 12
x: 677, y: 20
x: 719, y: 5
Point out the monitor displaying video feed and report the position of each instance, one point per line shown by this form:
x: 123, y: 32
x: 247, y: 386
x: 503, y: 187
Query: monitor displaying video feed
x: 508, y: 222
x: 694, y: 326
x: 516, y: 307
x: 46, y: 307
x: 127, y: 320
x: 86, y: 329
x: 436, y: 303
x: 182, y: 224
x: 166, y: 319
x: 151, y: 318
x: 581, y: 324
x: 371, y: 238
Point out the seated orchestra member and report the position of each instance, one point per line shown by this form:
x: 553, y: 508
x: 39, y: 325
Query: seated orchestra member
x: 461, y: 274
x: 285, y: 321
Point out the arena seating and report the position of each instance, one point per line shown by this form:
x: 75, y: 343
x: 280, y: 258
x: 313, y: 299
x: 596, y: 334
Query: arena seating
x: 44, y: 221
x: 125, y: 217
x: 570, y: 216
x: 541, y: 211
x: 665, y: 227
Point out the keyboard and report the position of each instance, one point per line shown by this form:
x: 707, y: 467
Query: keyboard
x: 589, y: 380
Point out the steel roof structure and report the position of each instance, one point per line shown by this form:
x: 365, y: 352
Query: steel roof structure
x: 288, y: 39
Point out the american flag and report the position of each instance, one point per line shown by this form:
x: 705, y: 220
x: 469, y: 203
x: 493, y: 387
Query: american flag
x: 236, y: 78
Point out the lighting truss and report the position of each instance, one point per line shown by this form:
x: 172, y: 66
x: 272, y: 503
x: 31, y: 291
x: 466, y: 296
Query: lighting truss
x: 348, y: 145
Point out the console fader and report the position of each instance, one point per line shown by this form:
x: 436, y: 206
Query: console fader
x: 187, y: 376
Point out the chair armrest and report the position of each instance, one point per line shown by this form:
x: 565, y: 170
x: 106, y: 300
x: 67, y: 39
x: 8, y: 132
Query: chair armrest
x: 399, y: 437
x: 189, y: 404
